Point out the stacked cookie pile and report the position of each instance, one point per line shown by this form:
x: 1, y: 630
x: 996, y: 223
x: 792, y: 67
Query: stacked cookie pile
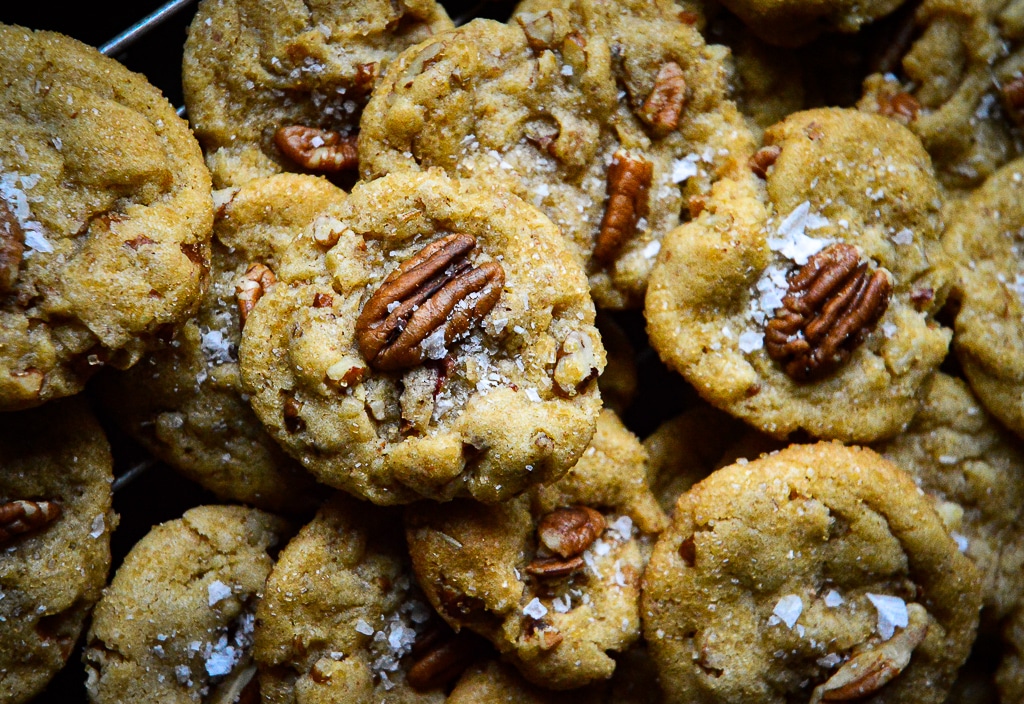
x: 377, y: 302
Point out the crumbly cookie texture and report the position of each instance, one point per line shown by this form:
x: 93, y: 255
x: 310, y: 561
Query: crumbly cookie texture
x: 792, y: 23
x: 184, y: 402
x: 551, y: 577
x: 804, y: 299
x: 105, y: 216
x: 55, y: 525
x: 973, y: 470
x: 1010, y: 675
x: 341, y: 619
x: 176, y: 623
x: 814, y: 574
x: 606, y: 116
x: 958, y: 85
x: 982, y: 240
x: 252, y: 68
x: 410, y: 386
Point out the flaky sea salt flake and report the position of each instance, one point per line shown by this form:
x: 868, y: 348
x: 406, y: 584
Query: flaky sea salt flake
x: 892, y: 614
x: 788, y: 609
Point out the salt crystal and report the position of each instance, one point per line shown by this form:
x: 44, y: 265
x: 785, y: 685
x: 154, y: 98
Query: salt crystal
x: 889, y: 329
x: 788, y: 609
x: 833, y: 599
x: 364, y: 628
x: 535, y: 609
x: 652, y: 249
x: 433, y: 345
x: 533, y: 395
x: 183, y: 673
x: 98, y: 526
x: 892, y: 614
x: 561, y: 604
x: 751, y: 341
x: 623, y: 525
x: 217, y: 591
x: 216, y: 346
x: 962, y: 543
x: 566, y: 70
x: 684, y: 168
x: 904, y: 236
x: 829, y: 661
x: 792, y: 243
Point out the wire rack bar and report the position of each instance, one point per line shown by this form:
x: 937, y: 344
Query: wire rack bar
x: 129, y: 36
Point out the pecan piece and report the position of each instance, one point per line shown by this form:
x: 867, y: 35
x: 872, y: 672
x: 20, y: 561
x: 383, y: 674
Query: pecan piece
x: 554, y: 567
x: 442, y: 658
x: 831, y: 305
x: 870, y: 670
x: 665, y: 102
x: 1013, y: 98
x: 571, y: 530
x: 629, y: 181
x: 763, y: 159
x: 12, y: 246
x: 250, y: 289
x: 22, y: 516
x: 438, y: 289
x: 902, y: 107
x: 319, y: 150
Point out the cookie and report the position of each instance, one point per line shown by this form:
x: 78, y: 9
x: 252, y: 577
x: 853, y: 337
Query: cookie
x: 805, y: 299
x: 342, y: 619
x: 184, y: 402
x: 273, y: 87
x: 551, y: 578
x: 55, y: 524
x: 814, y: 574
x: 426, y: 338
x: 105, y: 215
x: 176, y: 623
x: 606, y: 116
x: 958, y: 83
x: 988, y: 333
x: 974, y: 472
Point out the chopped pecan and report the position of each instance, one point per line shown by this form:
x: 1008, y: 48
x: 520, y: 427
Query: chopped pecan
x: 539, y: 28
x: 546, y: 635
x: 319, y: 150
x: 366, y: 76
x: 571, y: 530
x: 629, y: 181
x: 922, y: 297
x: 763, y: 159
x: 688, y: 551
x: 291, y: 409
x: 1013, y: 99
x: 436, y: 290
x: 577, y: 364
x: 831, y: 305
x: 902, y: 107
x: 554, y: 567
x: 868, y: 671
x: 442, y: 659
x: 22, y: 516
x: 12, y: 246
x: 665, y: 102
x: 250, y: 289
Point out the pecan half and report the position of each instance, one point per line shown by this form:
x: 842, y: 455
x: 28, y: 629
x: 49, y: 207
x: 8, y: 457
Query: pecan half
x: 763, y: 159
x: 20, y: 516
x: 436, y: 289
x: 12, y: 246
x: 629, y: 183
x: 250, y: 289
x: 571, y: 530
x: 831, y: 305
x: 1013, y: 99
x: 870, y: 670
x: 554, y: 567
x: 665, y: 102
x: 319, y: 150
x: 441, y: 659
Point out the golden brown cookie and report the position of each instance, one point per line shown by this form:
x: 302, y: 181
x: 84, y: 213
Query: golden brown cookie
x: 550, y: 578
x: 426, y: 338
x: 176, y: 623
x: 55, y: 525
x: 342, y: 621
x: 607, y: 116
x: 105, y: 216
x: 803, y: 295
x: 973, y: 470
x: 280, y: 86
x: 184, y: 402
x: 817, y: 573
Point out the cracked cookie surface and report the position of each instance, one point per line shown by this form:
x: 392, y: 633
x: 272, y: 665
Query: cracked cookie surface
x: 551, y: 578
x: 184, y: 401
x: 608, y: 117
x: 55, y: 524
x: 374, y: 362
x: 105, y: 215
x: 252, y: 68
x: 176, y: 622
x: 816, y: 573
x: 805, y: 299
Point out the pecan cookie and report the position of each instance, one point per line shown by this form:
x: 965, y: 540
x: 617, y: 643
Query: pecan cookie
x: 959, y: 85
x: 273, y: 87
x: 983, y: 240
x: 607, y: 116
x: 184, y: 402
x: 802, y: 297
x: 55, y: 524
x: 552, y: 576
x: 342, y: 620
x: 818, y: 573
x: 973, y: 470
x: 176, y: 623
x: 427, y: 338
x: 105, y: 215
